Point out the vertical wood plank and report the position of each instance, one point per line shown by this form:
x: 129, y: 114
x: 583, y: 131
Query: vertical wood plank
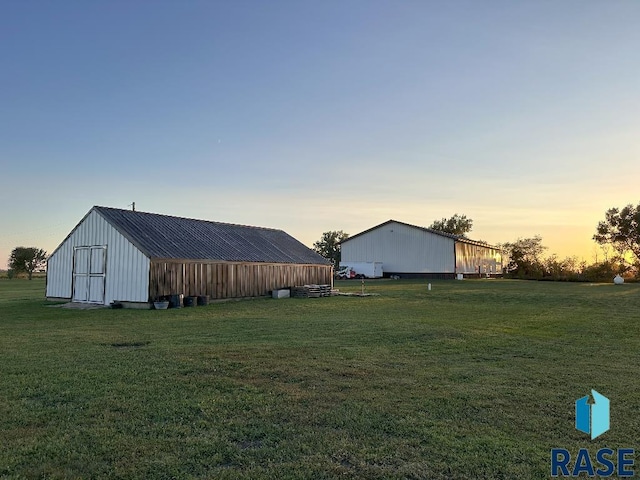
x: 218, y: 281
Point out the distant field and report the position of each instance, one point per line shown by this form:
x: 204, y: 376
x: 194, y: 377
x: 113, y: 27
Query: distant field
x: 474, y: 379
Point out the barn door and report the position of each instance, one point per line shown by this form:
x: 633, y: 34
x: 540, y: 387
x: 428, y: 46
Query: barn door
x: 89, y: 274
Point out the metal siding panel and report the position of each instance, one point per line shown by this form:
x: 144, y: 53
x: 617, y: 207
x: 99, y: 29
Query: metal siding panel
x: 59, y: 274
x: 402, y: 249
x: 127, y: 270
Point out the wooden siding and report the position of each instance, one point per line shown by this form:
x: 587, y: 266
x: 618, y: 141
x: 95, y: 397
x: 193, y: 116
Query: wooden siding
x: 230, y: 280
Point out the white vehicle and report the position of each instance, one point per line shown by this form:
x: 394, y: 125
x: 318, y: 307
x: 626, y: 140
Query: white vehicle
x: 360, y: 270
x: 344, y: 273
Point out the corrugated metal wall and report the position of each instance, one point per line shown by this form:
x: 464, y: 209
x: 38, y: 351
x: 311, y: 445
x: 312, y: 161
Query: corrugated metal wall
x: 477, y: 259
x: 127, y: 269
x: 402, y: 249
x: 231, y: 280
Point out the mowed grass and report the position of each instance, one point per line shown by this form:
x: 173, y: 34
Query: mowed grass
x: 473, y: 379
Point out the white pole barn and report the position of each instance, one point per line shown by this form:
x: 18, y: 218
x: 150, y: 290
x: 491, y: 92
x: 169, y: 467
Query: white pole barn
x: 410, y: 250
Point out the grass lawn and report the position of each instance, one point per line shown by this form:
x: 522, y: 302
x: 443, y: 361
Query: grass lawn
x: 474, y: 379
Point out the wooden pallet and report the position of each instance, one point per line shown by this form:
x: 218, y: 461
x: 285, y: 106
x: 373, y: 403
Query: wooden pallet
x: 311, y: 291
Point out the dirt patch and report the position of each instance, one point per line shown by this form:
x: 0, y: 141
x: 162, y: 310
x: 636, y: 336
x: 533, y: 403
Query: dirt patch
x: 127, y: 344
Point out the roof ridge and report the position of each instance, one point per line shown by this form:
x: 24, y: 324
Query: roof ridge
x: 188, y: 218
x: 459, y: 238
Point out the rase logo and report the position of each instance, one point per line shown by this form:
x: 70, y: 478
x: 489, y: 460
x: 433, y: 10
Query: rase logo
x: 592, y: 419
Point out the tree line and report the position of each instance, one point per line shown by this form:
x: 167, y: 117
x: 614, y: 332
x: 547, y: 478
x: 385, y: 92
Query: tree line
x: 618, y: 234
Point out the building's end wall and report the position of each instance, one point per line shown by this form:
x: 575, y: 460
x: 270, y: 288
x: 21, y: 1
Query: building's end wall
x: 402, y: 249
x: 126, y: 271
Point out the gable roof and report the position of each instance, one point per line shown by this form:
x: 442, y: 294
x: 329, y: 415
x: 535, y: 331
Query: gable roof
x: 457, y: 238
x: 163, y: 236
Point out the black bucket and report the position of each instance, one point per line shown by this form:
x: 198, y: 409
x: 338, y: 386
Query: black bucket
x: 203, y: 300
x: 174, y: 301
x: 190, y: 301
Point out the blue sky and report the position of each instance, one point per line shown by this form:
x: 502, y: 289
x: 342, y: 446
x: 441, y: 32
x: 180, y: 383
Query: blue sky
x: 314, y: 116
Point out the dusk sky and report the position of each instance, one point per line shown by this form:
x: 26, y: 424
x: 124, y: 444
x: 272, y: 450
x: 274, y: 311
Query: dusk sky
x: 311, y: 116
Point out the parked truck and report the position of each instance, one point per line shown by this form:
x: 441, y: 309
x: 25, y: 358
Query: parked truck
x: 359, y: 270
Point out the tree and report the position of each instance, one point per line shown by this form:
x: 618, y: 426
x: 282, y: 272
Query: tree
x: 27, y: 260
x: 456, y: 225
x: 525, y: 256
x: 561, y: 269
x: 621, y: 230
x: 329, y: 245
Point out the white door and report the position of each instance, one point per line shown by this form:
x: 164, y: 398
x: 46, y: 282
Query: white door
x: 89, y: 274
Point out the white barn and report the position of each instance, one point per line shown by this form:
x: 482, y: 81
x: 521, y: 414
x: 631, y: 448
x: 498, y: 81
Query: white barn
x: 116, y: 255
x: 409, y: 250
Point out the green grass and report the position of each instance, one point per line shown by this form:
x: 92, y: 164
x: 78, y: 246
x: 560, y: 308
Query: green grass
x: 474, y: 379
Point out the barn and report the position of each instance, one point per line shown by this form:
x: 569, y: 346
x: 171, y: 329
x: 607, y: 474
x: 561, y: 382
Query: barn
x: 127, y: 256
x: 409, y: 250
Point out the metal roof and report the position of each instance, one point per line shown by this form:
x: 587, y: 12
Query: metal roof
x: 163, y: 236
x: 457, y: 238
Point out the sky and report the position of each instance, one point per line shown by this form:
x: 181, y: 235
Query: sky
x: 313, y: 116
